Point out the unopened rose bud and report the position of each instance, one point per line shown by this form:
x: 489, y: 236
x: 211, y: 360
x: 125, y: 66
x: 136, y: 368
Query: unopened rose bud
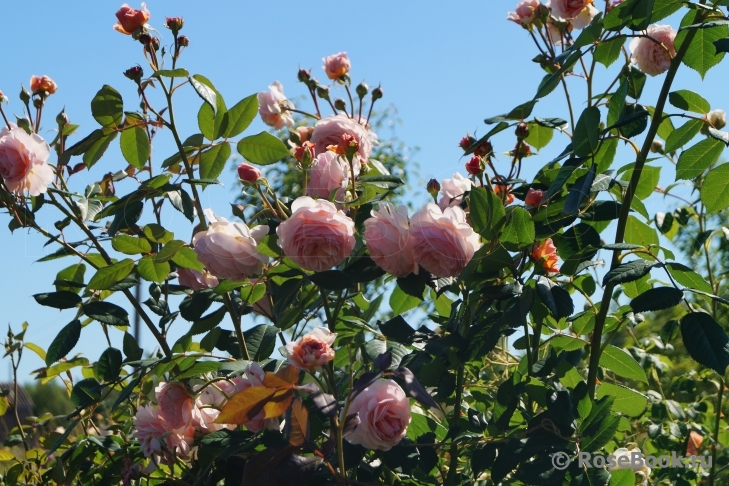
x: 183, y: 41
x: 522, y: 131
x: 717, y: 118
x: 534, y: 198
x: 340, y: 104
x: 524, y: 150
x: 377, y: 93
x: 174, y: 24
x: 304, y: 75
x: 145, y: 39
x: 248, y: 173
x: 24, y: 123
x: 306, y: 149
x: 466, y: 142
x: 62, y: 118
x: 484, y: 149
x: 76, y: 168
x: 433, y: 188
x: 38, y: 102
x: 154, y: 44
x: 134, y: 73
x: 474, y: 166
x: 362, y: 89
x: 657, y: 147
x: 322, y: 92
x: 2, y: 96
x: 304, y: 133
x: 24, y: 95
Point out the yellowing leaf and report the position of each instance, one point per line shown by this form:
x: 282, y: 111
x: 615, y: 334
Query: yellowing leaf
x: 245, y: 405
x: 278, y: 403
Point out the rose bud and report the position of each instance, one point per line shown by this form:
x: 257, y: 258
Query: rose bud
x: 348, y: 145
x: 500, y: 189
x: 153, y: 44
x: 336, y: 65
x: 304, y: 75
x: 40, y: 84
x: 24, y: 95
x: 174, y: 24
x: 362, y: 89
x: 130, y: 19
x: 322, y: 92
x: 546, y: 255
x: 534, y: 198
x: 484, y: 149
x: 76, y: 168
x: 61, y: 118
x: 657, y: 146
x: 312, y: 350
x: 248, y: 173
x: 474, y: 166
x: 377, y: 93
x: 466, y: 142
x: 2, y: 96
x: 433, y: 188
x: 134, y: 73
x: 717, y: 118
x: 340, y: 104
x: 304, y: 153
x: 183, y: 41
x: 522, y: 131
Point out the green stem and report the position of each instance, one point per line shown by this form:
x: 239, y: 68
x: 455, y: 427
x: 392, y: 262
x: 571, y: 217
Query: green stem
x: 717, y: 425
x: 238, y: 328
x: 452, y: 479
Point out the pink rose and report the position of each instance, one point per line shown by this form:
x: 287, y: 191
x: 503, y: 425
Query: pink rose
x: 158, y: 438
x: 387, y: 234
x: 248, y: 173
x: 534, y: 198
x: 336, y: 65
x: 653, y: 56
x: 23, y: 161
x: 131, y: 19
x: 42, y: 83
x: 442, y: 241
x: 452, y: 190
x: 317, y: 236
x: 312, y: 350
x: 554, y: 35
x: 274, y: 107
x: 228, y: 250
x: 579, y: 12
x: 329, y: 172
x: 208, y: 404
x: 175, y: 404
x: 384, y: 414
x: 525, y: 14
x: 328, y: 131
x: 253, y: 376
x: 195, y: 280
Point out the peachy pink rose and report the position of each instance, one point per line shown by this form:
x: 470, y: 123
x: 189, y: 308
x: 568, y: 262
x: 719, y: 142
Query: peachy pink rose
x: 387, y: 234
x: 158, y: 438
x: 228, y: 250
x: 336, y: 65
x: 175, y: 404
x: 384, y: 414
x: 312, y: 350
x: 579, y: 12
x: 130, y: 19
x: 653, y: 56
x: 442, y: 241
x: 273, y: 107
x: 24, y: 161
x: 534, y: 198
x: 195, y: 280
x: 317, y: 236
x: 253, y: 376
x: 329, y: 172
x: 452, y: 190
x: 208, y: 404
x: 526, y: 12
x: 328, y: 131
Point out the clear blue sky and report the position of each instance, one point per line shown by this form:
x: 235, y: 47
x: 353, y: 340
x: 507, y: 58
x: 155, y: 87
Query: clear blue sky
x: 444, y: 66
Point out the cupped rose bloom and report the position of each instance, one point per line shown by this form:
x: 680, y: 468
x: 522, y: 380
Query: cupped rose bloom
x: 42, y: 83
x: 248, y: 173
x: 526, y: 12
x: 546, y: 255
x: 274, y: 107
x: 317, y: 236
x: 631, y: 459
x: 195, y: 280
x: 578, y: 12
x: 158, y: 438
x: 329, y: 131
x: 175, y: 404
x: 253, y: 376
x: 228, y: 250
x: 534, y: 198
x: 208, y: 404
x: 336, y: 65
x: 387, y: 234
x: 130, y: 19
x: 330, y: 172
x: 312, y: 350
x: 384, y: 414
x: 452, y: 190
x: 653, y: 55
x: 23, y: 161
x: 442, y: 241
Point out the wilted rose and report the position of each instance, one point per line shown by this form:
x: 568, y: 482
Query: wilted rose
x: 526, y: 12
x: 387, y: 234
x: 384, y: 415
x: 24, y: 161
x: 312, y: 350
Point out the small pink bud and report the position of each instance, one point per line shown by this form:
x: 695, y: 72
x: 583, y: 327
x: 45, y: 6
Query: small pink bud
x: 248, y: 173
x: 534, y: 198
x: 474, y: 166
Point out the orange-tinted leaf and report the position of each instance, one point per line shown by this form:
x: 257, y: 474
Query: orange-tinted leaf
x: 289, y: 373
x: 279, y: 402
x: 274, y: 381
x: 297, y: 423
x: 245, y: 405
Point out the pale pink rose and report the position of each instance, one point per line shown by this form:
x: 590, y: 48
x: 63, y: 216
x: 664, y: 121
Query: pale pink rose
x: 228, y: 250
x: 384, y: 415
x: 653, y: 56
x: 317, y: 236
x: 195, y: 280
x: 584, y: 18
x: 329, y: 172
x: 312, y: 350
x: 175, y: 404
x: 336, y: 65
x: 274, y: 107
x: 24, y: 161
x: 208, y: 404
x: 526, y: 12
x: 568, y: 9
x: 158, y: 438
x: 387, y: 234
x: 553, y: 33
x: 442, y: 241
x: 130, y: 19
x: 452, y: 190
x: 253, y: 376
x: 328, y: 131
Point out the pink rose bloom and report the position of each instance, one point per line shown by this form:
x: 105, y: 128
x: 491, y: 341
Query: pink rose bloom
x: 195, y: 280
x: 42, y: 83
x: 387, y: 234
x: 312, y: 350
x: 175, y: 404
x: 553, y: 33
x: 578, y: 12
x: 452, y: 190
x: 317, y: 236
x: 253, y: 376
x: 534, y: 198
x: 24, y: 161
x: 329, y: 172
x: 274, y: 107
x: 384, y: 414
x: 336, y: 65
x: 228, y: 250
x: 442, y: 241
x: 158, y: 438
x: 130, y: 19
x: 653, y: 57
x: 328, y: 131
x: 526, y: 12
x: 208, y: 404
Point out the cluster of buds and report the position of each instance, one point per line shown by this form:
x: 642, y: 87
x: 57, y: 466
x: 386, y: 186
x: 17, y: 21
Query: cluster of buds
x: 151, y: 43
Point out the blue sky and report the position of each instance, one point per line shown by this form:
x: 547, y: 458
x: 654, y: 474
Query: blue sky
x: 444, y: 66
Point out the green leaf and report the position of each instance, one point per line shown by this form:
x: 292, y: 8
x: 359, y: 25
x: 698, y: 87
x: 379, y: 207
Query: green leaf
x: 204, y: 90
x: 694, y: 161
x: 64, y: 342
x: 688, y: 100
x: 579, y: 192
x: 657, y: 298
x: 622, y: 364
x: 715, y: 189
x: 627, y: 401
x: 598, y: 413
x: 263, y: 149
x: 628, y: 272
x: 130, y: 245
x: 600, y: 435
x: 539, y: 135
x: 617, y: 103
x: 97, y: 149
x: 550, y: 81
x: 701, y: 54
x: 682, y: 135
x: 566, y: 343
x: 639, y: 233
x: 171, y: 73
x: 241, y: 115
x: 663, y: 9
x: 487, y: 212
x: 86, y: 392
x: 107, y: 107
x: 606, y: 53
x: 261, y: 341
x: 182, y: 201
x: 71, y: 278
x: 187, y: 258
x: 706, y: 341
x: 208, y: 322
x: 587, y: 132
x: 106, y: 277
x: 519, y: 230
x: 152, y: 270
x: 59, y: 300
x: 648, y: 181
x: 212, y: 122
x: 687, y: 277
x: 212, y: 161
x: 107, y: 313
x: 131, y: 348
x: 199, y: 368
x: 619, y: 16
x: 400, y: 302
x: 169, y: 250
x: 332, y: 280
x: 134, y: 142
x: 157, y: 233
x: 622, y: 477
x: 109, y: 364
